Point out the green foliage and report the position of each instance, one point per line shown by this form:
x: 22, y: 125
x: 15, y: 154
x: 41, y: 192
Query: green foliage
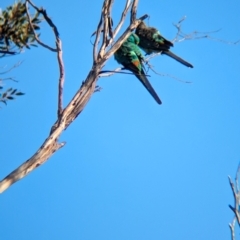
x: 9, y: 94
x: 15, y: 34
x: 15, y: 30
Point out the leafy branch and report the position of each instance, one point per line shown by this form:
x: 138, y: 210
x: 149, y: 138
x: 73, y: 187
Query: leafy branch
x: 15, y: 30
x: 9, y: 94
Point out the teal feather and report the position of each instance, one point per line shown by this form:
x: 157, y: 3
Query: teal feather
x: 130, y: 56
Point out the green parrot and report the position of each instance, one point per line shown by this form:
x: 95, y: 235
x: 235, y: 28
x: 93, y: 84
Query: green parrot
x: 130, y: 56
x: 152, y: 41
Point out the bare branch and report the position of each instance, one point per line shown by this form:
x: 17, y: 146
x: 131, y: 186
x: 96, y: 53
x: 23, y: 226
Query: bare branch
x: 178, y: 26
x: 109, y: 73
x: 236, y: 178
x: 9, y: 78
x: 97, y: 39
x: 232, y: 227
x: 61, y: 75
x: 44, y: 13
x: 218, y: 39
x: 236, y: 196
x: 82, y: 96
x: 58, y: 50
x: 14, y: 66
x: 147, y: 59
x: 124, y: 14
x: 50, y: 145
x: 165, y: 74
x: 134, y: 11
x: 105, y: 16
x: 181, y: 36
x: 32, y: 28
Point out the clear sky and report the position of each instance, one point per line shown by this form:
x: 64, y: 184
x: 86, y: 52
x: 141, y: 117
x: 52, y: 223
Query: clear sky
x: 131, y: 169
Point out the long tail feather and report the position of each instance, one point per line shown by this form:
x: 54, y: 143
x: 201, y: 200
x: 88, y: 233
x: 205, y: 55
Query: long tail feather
x: 149, y: 87
x: 177, y: 58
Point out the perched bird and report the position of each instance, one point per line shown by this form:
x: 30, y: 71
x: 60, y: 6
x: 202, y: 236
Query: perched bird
x: 130, y: 56
x: 152, y: 41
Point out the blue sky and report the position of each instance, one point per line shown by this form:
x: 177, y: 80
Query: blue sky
x: 131, y: 169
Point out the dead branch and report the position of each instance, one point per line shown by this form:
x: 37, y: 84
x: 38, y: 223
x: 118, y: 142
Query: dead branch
x: 14, y: 66
x: 236, y: 200
x: 134, y: 10
x: 82, y: 96
x: 9, y: 70
x: 181, y: 36
x: 32, y: 28
x: 106, y: 13
x: 5, y: 79
x: 232, y: 227
x: 97, y: 40
x: 235, y: 209
x: 107, y: 73
x: 58, y: 50
x: 165, y: 74
x: 124, y: 14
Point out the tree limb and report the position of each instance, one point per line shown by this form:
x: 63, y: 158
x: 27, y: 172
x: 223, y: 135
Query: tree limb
x: 235, y: 209
x: 79, y: 101
x: 58, y: 50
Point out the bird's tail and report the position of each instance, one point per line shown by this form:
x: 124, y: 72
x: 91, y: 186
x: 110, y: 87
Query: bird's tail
x: 177, y: 58
x: 148, y: 86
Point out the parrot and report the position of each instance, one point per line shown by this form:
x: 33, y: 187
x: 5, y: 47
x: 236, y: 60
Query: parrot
x: 152, y: 41
x: 130, y: 56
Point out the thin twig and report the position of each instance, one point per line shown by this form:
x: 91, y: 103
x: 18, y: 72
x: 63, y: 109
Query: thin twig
x: 105, y: 15
x: 14, y: 66
x: 178, y: 26
x: 58, y: 50
x: 110, y: 22
x: 98, y: 89
x: 165, y: 74
x: 236, y: 201
x: 44, y: 13
x: 32, y: 28
x: 9, y: 78
x: 236, y: 196
x: 61, y: 76
x: 124, y: 14
x: 97, y: 39
x: 147, y: 59
x: 106, y: 73
x: 181, y: 36
x: 236, y: 178
x: 219, y: 40
x: 232, y: 228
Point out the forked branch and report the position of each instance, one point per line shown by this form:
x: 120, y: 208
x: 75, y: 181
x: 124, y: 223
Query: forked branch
x: 105, y: 35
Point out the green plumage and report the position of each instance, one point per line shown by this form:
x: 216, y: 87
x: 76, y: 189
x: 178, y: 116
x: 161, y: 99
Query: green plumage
x: 130, y: 56
x: 152, y: 41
